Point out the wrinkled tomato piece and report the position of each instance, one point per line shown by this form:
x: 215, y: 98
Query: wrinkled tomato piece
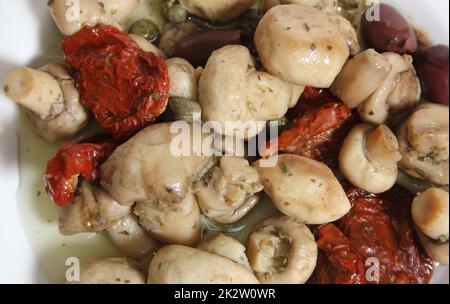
x: 71, y: 162
x: 320, y: 122
x: 125, y: 87
x: 378, y: 226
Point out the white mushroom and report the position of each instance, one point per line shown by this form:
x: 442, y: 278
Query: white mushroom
x: 226, y: 193
x: 175, y: 264
x: 399, y: 91
x: 369, y: 157
x: 147, y: 46
x: 50, y: 98
x: 169, y: 222
x: 226, y: 247
x: 430, y: 212
x: 347, y: 31
x: 214, y: 10
x: 92, y: 210
x: 131, y: 239
x: 71, y: 16
x: 360, y: 77
x: 304, y: 189
x: 300, y: 44
x: 252, y: 96
x: 110, y: 271
x: 183, y: 82
x: 170, y: 38
x: 424, y: 143
x: 282, y: 250
x: 145, y: 169
x: 327, y: 6
x: 437, y: 251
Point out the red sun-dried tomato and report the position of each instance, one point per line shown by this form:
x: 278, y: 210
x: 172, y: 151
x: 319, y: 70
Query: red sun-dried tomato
x: 378, y: 226
x: 125, y: 87
x: 70, y: 162
x: 320, y: 122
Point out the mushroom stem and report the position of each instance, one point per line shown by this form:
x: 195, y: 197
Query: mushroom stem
x: 33, y: 89
x: 382, y: 146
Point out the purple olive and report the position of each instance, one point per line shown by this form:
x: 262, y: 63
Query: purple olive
x: 432, y: 68
x: 197, y: 47
x: 390, y: 33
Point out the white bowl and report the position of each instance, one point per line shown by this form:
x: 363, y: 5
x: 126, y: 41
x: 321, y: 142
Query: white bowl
x: 27, y: 35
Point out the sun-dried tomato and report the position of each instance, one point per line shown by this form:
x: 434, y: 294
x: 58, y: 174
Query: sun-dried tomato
x: 320, y: 123
x: 125, y: 87
x: 71, y: 162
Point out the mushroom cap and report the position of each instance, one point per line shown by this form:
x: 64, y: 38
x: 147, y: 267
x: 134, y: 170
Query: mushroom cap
x: 282, y: 250
x: 304, y: 189
x: 300, y: 44
x: 430, y: 212
x: 438, y: 252
x: 368, y: 158
x: 215, y: 10
x: 183, y: 82
x: 175, y: 264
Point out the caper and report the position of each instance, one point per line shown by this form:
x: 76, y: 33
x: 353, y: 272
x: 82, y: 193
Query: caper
x: 146, y: 29
x: 184, y: 109
x: 176, y: 14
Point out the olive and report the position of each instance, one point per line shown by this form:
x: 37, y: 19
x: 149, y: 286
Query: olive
x: 432, y: 68
x: 197, y: 48
x: 176, y: 14
x: 146, y: 29
x: 389, y: 32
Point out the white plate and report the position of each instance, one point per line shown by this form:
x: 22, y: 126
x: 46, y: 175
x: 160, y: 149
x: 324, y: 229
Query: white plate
x: 27, y: 34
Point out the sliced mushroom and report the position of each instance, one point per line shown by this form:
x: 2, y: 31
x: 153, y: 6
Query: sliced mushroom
x: 360, y: 77
x: 146, y: 168
x: 50, y: 98
x: 110, y: 271
x: 170, y: 38
x: 131, y: 239
x: 401, y: 89
x: 214, y: 10
x: 252, y: 96
x: 226, y: 247
x: 175, y: 264
x: 369, y: 157
x: 282, y: 250
x: 430, y: 212
x: 170, y: 222
x: 300, y: 44
x: 227, y: 192
x: 70, y: 17
x: 147, y: 46
x: 424, y: 143
x: 437, y: 251
x: 304, y: 189
x: 183, y: 82
x: 92, y: 210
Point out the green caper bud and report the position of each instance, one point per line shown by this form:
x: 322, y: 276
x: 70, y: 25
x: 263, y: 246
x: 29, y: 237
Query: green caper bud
x: 176, y: 14
x: 146, y: 29
x: 184, y: 109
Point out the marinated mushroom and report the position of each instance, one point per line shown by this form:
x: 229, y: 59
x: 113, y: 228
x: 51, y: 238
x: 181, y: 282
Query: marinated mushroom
x: 92, y: 210
x: 304, y: 189
x: 437, y: 251
x: 226, y: 247
x: 328, y: 6
x: 369, y: 157
x: 70, y: 19
x: 431, y: 215
x: 300, y: 44
x: 131, y: 239
x: 282, y: 250
x: 424, y: 143
x: 360, y: 77
x: 169, y: 222
x: 144, y: 168
x: 252, y: 96
x: 227, y: 192
x: 347, y: 31
x: 399, y: 91
x: 110, y: 271
x: 170, y: 38
x: 214, y: 10
x: 50, y: 98
x: 175, y: 264
x: 183, y: 82
x: 147, y: 46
